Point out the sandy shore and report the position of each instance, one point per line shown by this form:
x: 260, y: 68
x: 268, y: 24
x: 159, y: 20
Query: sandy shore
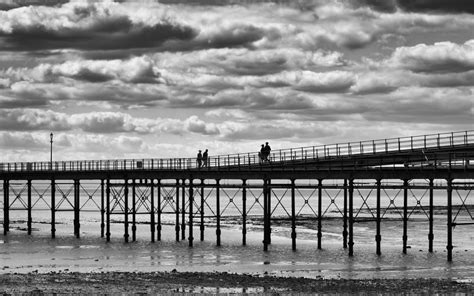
x: 112, y: 283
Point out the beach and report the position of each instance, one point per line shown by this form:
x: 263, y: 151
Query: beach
x: 38, y: 264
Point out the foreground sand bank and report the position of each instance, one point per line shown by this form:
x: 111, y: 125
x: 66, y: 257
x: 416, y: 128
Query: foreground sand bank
x: 192, y: 282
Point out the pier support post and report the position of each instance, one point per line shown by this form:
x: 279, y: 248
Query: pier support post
x: 102, y: 209
x: 177, y: 211
x: 449, y: 246
x: 405, y: 215
x: 265, y: 214
x: 53, y: 208
x: 218, y: 213
x: 77, y: 207
x: 202, y: 211
x: 29, y: 207
x: 191, y: 202
x: 134, y: 211
x: 152, y: 210
x: 107, y: 192
x: 320, y: 205
x: 351, y: 217
x: 244, y: 212
x: 269, y: 215
x: 378, y: 237
x: 293, y: 216
x: 125, y: 207
x: 344, y: 217
x: 6, y: 207
x: 183, y: 210
x: 158, y: 198
x: 431, y: 212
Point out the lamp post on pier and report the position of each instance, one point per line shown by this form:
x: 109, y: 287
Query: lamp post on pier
x: 51, y: 152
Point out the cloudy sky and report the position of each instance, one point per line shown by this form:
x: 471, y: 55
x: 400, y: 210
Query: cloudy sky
x: 130, y: 79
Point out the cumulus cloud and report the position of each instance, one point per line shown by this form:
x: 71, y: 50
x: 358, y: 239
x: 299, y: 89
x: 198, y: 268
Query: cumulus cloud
x: 441, y: 57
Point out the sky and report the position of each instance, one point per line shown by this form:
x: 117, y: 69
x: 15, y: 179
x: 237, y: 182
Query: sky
x: 161, y: 79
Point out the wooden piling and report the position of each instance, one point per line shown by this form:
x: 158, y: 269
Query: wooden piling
x: 77, y: 207
x: 201, y: 228
x: 183, y: 210
x: 53, y: 208
x: 152, y: 210
x: 191, y: 203
x: 159, y: 210
x: 431, y: 219
x: 218, y: 214
x: 29, y: 208
x: 6, y: 207
x: 344, y: 217
x: 102, y: 208
x: 449, y: 246
x: 293, y: 216
x: 244, y: 212
x: 107, y: 191
x: 125, y: 207
x: 177, y: 228
x: 269, y: 215
x: 320, y: 205
x: 405, y: 215
x: 265, y: 215
x: 351, y: 217
x: 378, y: 237
x: 134, y: 211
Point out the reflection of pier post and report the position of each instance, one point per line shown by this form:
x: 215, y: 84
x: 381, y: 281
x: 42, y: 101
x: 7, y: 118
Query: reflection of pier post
x: 430, y: 234
x: 53, y: 208
x: 29, y: 219
x: 405, y: 215
x: 6, y: 207
x: 293, y: 216
x: 244, y: 212
x: 449, y: 246
x: 378, y: 237
x: 351, y: 217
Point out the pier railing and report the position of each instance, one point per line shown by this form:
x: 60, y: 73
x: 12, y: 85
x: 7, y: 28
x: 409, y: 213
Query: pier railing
x: 431, y: 142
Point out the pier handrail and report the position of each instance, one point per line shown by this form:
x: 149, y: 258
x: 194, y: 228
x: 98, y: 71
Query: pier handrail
x: 242, y: 160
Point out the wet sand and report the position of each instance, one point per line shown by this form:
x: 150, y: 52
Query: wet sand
x: 214, y: 283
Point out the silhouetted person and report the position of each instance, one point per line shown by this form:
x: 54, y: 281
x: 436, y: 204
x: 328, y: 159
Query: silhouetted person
x: 199, y: 159
x: 204, y: 158
x: 261, y: 154
x: 267, y: 150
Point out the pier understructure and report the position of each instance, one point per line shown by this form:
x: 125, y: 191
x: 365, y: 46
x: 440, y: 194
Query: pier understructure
x: 347, y: 183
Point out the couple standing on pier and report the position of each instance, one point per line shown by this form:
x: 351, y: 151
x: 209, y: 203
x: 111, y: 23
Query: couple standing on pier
x: 202, y: 159
x: 264, y: 153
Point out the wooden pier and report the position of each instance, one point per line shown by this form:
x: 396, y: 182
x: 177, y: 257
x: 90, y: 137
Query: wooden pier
x: 358, y: 182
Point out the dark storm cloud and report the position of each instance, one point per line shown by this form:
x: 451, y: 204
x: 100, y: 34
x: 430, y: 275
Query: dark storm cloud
x: 438, y: 6
x: 110, y: 34
x: 11, y: 4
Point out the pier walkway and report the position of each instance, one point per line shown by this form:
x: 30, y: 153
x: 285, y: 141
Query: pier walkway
x: 294, y: 183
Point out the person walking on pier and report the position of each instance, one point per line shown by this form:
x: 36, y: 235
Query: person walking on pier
x: 261, y: 154
x: 205, y: 159
x: 199, y: 159
x: 267, y: 150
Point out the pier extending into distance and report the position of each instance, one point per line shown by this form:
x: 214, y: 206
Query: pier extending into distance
x: 300, y: 183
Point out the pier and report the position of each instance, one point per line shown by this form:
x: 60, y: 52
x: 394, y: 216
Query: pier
x: 356, y: 182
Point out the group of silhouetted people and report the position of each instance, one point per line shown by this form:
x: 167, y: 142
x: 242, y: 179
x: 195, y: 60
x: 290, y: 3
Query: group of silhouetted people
x: 202, y: 159
x: 264, y: 153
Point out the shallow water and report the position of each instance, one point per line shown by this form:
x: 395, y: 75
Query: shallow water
x: 22, y: 253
